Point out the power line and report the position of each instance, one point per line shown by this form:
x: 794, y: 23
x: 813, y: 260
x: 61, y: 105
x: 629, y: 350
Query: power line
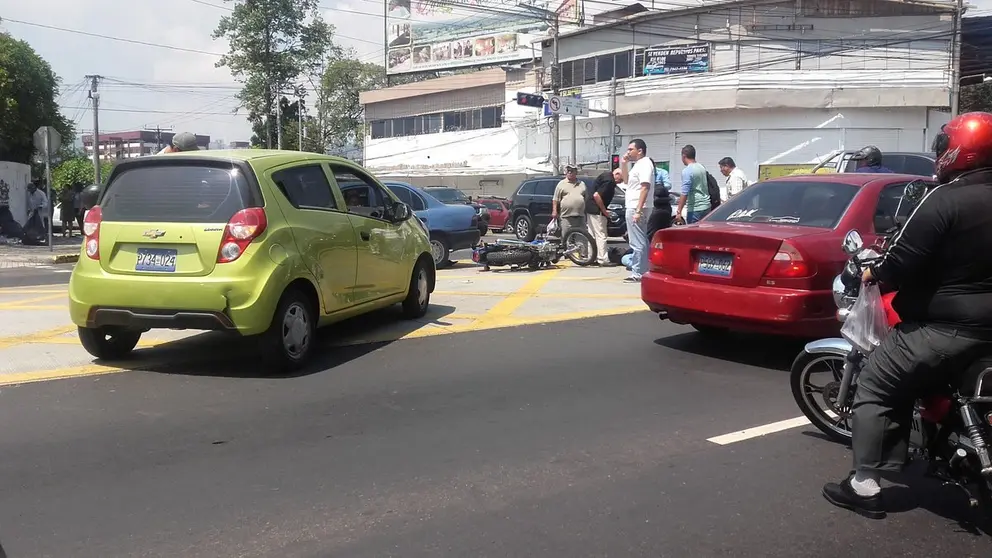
x: 111, y: 38
x: 153, y: 111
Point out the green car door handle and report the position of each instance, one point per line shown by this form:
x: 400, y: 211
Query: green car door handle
x: 365, y: 235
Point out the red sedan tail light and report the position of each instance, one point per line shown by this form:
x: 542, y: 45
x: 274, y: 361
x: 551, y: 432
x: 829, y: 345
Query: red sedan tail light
x: 656, y: 251
x: 788, y: 263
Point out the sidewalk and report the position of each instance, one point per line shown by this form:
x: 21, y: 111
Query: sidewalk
x: 14, y: 254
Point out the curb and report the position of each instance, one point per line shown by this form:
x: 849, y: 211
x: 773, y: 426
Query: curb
x: 65, y: 258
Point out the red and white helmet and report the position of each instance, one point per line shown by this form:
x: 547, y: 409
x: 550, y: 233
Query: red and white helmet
x: 964, y: 144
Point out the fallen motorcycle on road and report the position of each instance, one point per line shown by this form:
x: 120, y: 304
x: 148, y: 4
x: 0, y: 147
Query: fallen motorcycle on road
x: 544, y: 251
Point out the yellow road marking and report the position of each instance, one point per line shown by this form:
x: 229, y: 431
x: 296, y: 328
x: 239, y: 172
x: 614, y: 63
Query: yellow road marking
x: 542, y: 295
x: 4, y: 292
x: 442, y: 278
x: 34, y: 336
x: 479, y: 325
x: 508, y: 305
x: 28, y: 301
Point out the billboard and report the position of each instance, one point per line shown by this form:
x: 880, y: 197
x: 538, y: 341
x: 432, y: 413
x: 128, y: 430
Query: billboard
x: 677, y: 59
x: 430, y: 35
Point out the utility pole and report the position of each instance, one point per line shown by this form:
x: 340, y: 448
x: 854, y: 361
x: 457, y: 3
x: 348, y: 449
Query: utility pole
x: 555, y: 85
x: 279, y: 120
x: 956, y: 61
x: 95, y: 96
x: 158, y: 135
x: 299, y: 114
x: 613, y: 118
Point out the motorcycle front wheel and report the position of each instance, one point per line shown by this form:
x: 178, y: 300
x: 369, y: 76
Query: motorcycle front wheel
x: 818, y: 401
x: 579, y: 247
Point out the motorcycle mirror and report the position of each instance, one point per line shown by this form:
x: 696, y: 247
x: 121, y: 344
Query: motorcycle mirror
x: 852, y: 242
x: 915, y: 190
x: 90, y: 196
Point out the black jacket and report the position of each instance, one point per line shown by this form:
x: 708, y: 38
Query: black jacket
x: 940, y: 260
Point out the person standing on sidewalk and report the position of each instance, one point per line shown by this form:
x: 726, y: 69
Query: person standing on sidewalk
x: 604, y: 188
x: 569, y: 202
x: 695, y: 192
x: 661, y: 215
x: 736, y: 180
x: 640, y: 188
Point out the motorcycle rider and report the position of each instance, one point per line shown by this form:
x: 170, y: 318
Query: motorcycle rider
x: 944, y: 300
x: 870, y: 160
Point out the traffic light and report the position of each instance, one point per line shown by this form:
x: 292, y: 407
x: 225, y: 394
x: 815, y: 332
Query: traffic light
x: 615, y: 162
x: 530, y: 100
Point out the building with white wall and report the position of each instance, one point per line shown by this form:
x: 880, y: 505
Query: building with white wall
x: 762, y: 81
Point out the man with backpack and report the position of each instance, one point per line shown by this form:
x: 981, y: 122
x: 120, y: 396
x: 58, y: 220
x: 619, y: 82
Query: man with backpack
x: 696, y: 189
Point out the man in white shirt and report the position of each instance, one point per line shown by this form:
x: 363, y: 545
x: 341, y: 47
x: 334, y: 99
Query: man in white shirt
x: 736, y: 181
x: 640, y: 188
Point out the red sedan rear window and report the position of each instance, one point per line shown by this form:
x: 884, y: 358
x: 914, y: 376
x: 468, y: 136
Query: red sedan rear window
x: 809, y: 204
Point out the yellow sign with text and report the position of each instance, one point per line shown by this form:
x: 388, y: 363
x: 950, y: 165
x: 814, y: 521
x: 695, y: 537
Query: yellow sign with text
x: 776, y: 170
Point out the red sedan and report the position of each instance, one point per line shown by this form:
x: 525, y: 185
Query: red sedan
x: 765, y: 260
x: 499, y: 213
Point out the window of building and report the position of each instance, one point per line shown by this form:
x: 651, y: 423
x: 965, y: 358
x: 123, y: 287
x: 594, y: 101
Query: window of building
x: 475, y: 119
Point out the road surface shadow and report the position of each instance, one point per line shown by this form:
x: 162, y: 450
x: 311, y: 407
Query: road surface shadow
x: 763, y: 351
x: 219, y: 354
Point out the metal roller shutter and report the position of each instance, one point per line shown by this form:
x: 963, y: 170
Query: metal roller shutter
x: 792, y: 147
x: 884, y: 139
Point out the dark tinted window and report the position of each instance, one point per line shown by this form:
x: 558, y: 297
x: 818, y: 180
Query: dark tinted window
x: 916, y: 164
x: 546, y: 187
x: 305, y: 187
x: 418, y: 202
x: 193, y: 193
x: 362, y: 195
x: 493, y: 205
x: 527, y: 188
x: 448, y: 195
x: 402, y: 193
x: 810, y: 204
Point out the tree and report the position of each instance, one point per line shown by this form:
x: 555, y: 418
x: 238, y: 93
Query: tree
x: 28, y: 92
x: 976, y: 98
x: 274, y: 46
x: 78, y: 170
x: 343, y: 115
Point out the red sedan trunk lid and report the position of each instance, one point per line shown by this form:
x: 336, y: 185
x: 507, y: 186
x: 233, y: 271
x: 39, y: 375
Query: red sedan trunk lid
x: 728, y: 253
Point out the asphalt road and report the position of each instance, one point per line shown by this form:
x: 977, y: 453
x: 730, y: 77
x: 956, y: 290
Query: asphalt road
x: 35, y: 275
x: 583, y: 438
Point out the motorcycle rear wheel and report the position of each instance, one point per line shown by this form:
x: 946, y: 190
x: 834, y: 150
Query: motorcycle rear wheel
x: 508, y: 257
x: 819, y: 414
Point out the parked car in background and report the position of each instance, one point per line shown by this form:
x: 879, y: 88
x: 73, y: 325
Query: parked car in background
x: 450, y: 226
x: 499, y: 213
x: 450, y: 195
x: 764, y: 261
x: 916, y: 163
x: 266, y: 243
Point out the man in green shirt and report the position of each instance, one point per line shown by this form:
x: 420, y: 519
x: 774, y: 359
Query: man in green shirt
x: 695, y: 192
x: 569, y: 201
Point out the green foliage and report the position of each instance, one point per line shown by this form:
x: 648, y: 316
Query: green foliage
x: 275, y: 45
x: 976, y: 98
x: 28, y: 92
x: 78, y: 170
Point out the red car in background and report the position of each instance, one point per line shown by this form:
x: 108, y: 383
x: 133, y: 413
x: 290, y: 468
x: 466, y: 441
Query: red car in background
x: 499, y: 212
x: 764, y: 261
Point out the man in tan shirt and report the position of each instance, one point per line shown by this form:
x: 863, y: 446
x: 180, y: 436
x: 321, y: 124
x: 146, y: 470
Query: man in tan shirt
x: 569, y: 202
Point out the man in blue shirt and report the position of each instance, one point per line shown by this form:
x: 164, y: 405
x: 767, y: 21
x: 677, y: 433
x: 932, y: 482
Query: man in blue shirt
x: 870, y: 160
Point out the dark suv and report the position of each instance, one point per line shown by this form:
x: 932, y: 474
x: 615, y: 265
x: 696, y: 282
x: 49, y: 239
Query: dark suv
x: 530, y: 207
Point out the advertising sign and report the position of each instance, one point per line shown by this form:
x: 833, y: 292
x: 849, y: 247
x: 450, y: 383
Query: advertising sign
x: 427, y: 35
x: 677, y: 59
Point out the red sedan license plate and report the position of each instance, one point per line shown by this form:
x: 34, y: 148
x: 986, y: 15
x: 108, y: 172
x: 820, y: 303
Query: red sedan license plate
x: 715, y: 264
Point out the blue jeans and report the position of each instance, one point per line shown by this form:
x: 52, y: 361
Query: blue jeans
x: 638, y: 237
x: 695, y: 216
x: 626, y: 260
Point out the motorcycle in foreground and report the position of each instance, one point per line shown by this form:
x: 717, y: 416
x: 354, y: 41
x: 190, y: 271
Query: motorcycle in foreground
x: 543, y: 251
x: 951, y: 428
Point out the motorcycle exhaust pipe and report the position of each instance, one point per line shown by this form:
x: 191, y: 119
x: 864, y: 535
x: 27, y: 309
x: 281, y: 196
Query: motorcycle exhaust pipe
x: 512, y: 242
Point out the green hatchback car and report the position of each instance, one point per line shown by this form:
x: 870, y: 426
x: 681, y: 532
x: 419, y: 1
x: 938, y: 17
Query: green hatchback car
x: 257, y: 242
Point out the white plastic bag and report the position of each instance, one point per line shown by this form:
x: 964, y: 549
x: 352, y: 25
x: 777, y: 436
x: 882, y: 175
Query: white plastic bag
x: 866, y: 325
x: 552, y: 227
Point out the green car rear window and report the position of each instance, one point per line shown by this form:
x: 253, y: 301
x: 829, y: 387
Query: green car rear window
x: 176, y: 194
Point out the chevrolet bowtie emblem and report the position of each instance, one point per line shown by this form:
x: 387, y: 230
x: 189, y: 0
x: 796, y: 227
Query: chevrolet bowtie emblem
x: 154, y: 233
